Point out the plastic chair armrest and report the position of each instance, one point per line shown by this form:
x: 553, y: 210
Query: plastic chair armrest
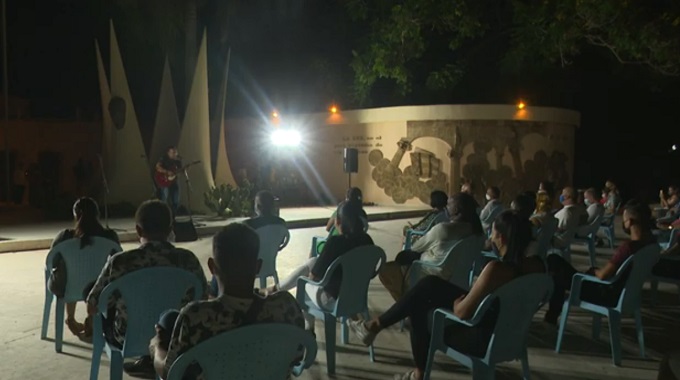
x: 410, y: 233
x: 577, y: 282
x: 448, y: 315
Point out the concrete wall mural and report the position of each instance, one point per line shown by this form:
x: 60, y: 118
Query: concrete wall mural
x: 126, y: 168
x: 417, y: 180
x: 194, y: 142
x: 406, y: 152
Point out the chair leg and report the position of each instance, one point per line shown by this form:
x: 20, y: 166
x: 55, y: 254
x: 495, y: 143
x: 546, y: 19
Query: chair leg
x: 597, y: 326
x: 46, y: 313
x: 263, y: 282
x: 591, y: 250
x: 329, y: 324
x: 640, y: 332
x: 97, y: 348
x: 116, y: 365
x: 563, y: 325
x: 344, y: 331
x: 276, y: 278
x: 525, y: 364
x: 615, y: 336
x: 610, y: 236
x: 371, y: 350
x: 59, y: 325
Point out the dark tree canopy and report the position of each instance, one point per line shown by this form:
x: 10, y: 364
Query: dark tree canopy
x: 430, y: 43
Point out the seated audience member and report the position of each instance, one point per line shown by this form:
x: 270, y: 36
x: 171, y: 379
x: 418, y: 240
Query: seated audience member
x: 525, y: 205
x: 467, y: 188
x: 434, y: 246
x: 438, y: 214
x: 350, y: 227
x: 493, y: 207
x: 636, y: 223
x: 544, y: 198
x: 612, y: 199
x: 354, y: 198
x: 265, y: 215
x: 235, y: 264
x: 265, y: 211
x: 154, y: 223
x: 87, y: 226
x: 669, y: 201
x: 511, y: 234
x: 594, y: 208
x: 669, y: 263
x: 568, y: 219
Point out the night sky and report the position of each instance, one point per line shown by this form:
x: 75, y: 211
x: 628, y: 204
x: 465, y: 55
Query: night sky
x: 294, y: 55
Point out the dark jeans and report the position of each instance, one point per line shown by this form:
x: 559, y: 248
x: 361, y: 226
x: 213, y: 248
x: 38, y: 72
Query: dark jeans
x: 667, y: 267
x: 170, y: 195
x: 418, y: 303
x: 562, y: 273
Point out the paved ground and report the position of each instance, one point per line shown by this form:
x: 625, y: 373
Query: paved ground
x: 24, y: 356
x: 23, y: 235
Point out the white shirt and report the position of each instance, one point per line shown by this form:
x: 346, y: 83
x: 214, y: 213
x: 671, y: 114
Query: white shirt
x: 567, y: 224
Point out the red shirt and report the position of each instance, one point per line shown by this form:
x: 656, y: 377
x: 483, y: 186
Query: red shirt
x: 627, y: 249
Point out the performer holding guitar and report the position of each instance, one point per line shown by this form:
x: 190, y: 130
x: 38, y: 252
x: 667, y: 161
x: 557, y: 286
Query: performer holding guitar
x: 166, y: 178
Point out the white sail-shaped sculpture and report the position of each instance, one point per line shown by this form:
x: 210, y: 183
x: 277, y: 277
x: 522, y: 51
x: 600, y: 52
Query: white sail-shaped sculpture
x: 194, y: 142
x: 223, y: 174
x: 127, y: 171
x: 167, y: 128
x: 107, y: 122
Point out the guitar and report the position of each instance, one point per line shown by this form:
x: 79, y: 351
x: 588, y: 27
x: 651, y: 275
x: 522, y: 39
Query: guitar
x: 164, y: 180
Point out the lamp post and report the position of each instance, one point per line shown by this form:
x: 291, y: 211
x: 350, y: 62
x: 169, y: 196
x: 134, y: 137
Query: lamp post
x: 6, y: 96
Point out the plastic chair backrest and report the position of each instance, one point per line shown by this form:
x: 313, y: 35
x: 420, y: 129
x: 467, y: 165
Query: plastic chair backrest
x: 147, y: 293
x: 593, y: 226
x: 642, y: 263
x: 518, y: 300
x: 83, y: 266
x: 545, y: 235
x: 271, y: 239
x: 359, y: 266
x: 460, y: 260
x: 259, y: 351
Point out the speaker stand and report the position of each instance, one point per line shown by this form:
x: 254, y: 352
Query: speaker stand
x: 349, y: 180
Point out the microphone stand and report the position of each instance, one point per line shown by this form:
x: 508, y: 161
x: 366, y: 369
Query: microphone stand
x: 106, y: 195
x: 189, y: 190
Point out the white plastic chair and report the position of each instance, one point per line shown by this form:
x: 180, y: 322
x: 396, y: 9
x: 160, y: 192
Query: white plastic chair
x: 518, y: 302
x: 258, y: 351
x: 358, y: 266
x: 638, y: 268
x: 273, y: 238
x: 83, y: 266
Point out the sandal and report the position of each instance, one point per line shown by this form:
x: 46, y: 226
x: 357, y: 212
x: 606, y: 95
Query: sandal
x: 74, y: 326
x: 410, y: 375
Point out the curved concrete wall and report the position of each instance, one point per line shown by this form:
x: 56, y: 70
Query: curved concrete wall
x: 406, y: 152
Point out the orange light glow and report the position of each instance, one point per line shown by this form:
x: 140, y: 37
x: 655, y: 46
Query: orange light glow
x: 275, y: 115
x: 521, y: 105
x: 334, y: 109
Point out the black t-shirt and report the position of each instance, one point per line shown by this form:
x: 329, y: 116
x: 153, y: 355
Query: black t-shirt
x: 263, y: 220
x: 335, y: 247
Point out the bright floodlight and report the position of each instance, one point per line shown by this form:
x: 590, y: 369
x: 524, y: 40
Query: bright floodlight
x: 286, y: 137
x: 674, y: 147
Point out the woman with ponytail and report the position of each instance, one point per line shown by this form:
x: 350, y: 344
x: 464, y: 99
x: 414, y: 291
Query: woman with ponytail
x: 86, y: 216
x: 511, y: 234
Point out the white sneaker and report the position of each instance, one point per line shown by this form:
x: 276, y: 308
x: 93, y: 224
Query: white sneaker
x: 359, y: 329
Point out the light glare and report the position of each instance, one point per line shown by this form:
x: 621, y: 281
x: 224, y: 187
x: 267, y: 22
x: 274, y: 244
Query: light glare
x: 521, y: 105
x: 286, y: 137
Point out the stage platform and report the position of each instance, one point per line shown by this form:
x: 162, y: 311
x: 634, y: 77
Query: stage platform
x: 25, y: 236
